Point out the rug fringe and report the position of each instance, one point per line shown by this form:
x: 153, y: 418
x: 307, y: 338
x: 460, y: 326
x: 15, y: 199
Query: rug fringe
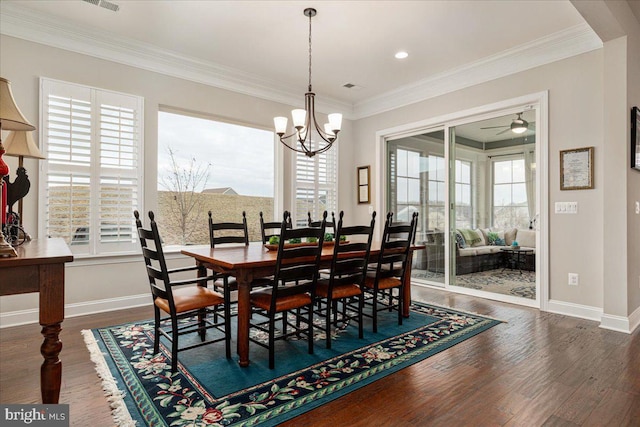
x: 459, y: 309
x: 115, y: 396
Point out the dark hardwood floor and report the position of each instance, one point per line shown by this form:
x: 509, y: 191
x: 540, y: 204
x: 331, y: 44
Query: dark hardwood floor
x: 536, y: 369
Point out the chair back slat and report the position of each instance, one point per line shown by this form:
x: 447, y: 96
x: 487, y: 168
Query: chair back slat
x: 228, y: 232
x: 350, y: 259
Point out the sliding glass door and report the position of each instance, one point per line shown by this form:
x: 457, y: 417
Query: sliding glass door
x: 475, y: 195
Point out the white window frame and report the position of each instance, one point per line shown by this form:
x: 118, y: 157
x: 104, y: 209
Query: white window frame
x: 504, y: 158
x: 126, y: 243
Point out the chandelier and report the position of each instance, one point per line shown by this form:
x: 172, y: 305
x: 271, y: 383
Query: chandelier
x: 304, y: 121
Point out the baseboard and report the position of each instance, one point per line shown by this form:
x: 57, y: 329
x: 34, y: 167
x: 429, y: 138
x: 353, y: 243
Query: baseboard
x: 621, y: 323
x: 615, y: 323
x: 575, y: 310
x: 24, y: 317
x: 634, y: 320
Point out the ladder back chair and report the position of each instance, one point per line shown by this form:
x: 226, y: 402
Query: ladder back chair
x: 223, y: 233
x: 395, y: 250
x: 330, y: 227
x: 347, y: 273
x: 269, y: 229
x: 178, y: 300
x: 292, y: 288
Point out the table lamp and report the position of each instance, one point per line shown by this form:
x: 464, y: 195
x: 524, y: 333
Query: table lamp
x: 20, y: 144
x: 11, y: 118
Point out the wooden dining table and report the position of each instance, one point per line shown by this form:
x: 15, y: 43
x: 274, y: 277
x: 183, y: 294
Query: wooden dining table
x: 253, y: 261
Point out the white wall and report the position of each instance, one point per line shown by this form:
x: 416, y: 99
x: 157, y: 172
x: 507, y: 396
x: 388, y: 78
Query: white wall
x: 23, y: 62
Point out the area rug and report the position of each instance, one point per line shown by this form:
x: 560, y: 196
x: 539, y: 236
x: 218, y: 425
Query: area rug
x: 210, y: 390
x: 508, y: 282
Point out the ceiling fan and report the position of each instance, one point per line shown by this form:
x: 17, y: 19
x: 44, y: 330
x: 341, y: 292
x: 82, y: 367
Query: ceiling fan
x: 518, y: 125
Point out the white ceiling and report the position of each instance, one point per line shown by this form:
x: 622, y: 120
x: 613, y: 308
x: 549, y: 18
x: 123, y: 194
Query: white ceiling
x: 260, y: 47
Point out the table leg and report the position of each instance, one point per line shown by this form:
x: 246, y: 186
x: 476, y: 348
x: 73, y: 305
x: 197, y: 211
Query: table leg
x: 51, y: 316
x: 406, y: 297
x: 244, y: 279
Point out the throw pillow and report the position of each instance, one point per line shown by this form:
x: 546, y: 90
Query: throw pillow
x: 460, y: 241
x: 492, y: 236
x: 499, y: 242
x: 481, y: 241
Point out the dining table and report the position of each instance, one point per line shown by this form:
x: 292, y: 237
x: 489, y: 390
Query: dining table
x: 253, y: 261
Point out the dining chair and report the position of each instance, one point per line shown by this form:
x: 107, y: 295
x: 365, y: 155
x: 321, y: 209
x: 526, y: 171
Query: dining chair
x: 223, y: 233
x: 395, y: 250
x: 191, y: 305
x: 292, y: 288
x: 269, y: 229
x: 330, y: 224
x: 346, y: 275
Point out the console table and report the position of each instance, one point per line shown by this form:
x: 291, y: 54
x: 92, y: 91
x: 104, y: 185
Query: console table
x: 39, y: 267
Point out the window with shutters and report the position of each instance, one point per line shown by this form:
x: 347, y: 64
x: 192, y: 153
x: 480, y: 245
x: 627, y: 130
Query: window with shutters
x: 92, y: 179
x: 316, y: 185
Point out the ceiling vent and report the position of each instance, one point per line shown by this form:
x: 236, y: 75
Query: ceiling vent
x: 104, y: 4
x: 351, y: 86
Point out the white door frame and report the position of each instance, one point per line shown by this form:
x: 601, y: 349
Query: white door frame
x: 540, y: 101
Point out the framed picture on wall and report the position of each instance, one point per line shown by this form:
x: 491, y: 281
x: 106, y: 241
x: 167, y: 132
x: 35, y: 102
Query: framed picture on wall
x: 635, y: 138
x: 364, y: 191
x: 576, y: 169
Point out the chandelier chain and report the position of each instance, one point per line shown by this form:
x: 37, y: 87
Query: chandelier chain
x: 310, y: 16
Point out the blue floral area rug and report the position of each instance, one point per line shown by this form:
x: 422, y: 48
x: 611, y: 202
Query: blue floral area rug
x: 210, y: 390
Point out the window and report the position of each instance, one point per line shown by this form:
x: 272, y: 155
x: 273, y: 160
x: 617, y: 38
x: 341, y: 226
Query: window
x: 316, y: 185
x: 436, y: 207
x: 509, y: 194
x: 464, y: 208
x: 92, y: 178
x: 407, y: 184
x: 209, y: 165
x: 436, y: 195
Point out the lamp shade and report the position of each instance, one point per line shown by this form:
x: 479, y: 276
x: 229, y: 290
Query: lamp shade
x: 11, y: 118
x: 21, y: 143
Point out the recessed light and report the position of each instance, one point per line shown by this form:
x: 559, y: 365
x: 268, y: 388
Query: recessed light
x: 401, y: 55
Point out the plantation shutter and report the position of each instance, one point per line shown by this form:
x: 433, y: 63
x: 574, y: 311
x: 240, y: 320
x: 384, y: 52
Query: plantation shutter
x: 92, y: 178
x: 316, y: 185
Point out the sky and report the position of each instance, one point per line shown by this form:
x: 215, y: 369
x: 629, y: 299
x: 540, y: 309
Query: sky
x: 239, y: 155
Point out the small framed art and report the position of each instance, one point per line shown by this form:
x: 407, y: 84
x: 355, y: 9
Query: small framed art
x: 364, y: 189
x: 635, y: 138
x: 576, y: 169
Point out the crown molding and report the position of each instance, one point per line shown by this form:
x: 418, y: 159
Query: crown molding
x: 21, y: 23
x: 554, y: 47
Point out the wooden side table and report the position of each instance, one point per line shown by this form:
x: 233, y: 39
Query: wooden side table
x: 39, y: 267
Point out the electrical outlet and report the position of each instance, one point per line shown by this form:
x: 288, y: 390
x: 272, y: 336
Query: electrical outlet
x: 637, y: 208
x: 574, y: 279
x: 370, y: 209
